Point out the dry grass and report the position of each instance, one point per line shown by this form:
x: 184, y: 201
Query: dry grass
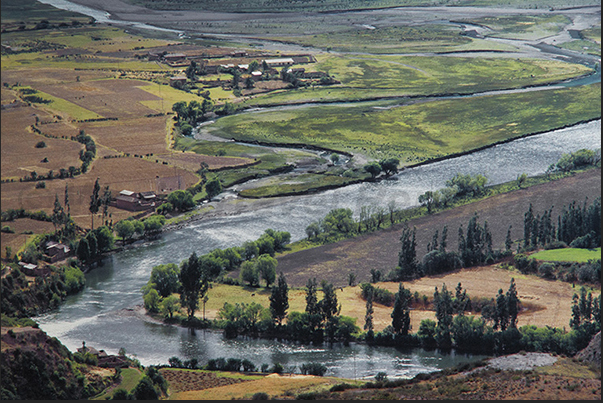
x: 274, y: 385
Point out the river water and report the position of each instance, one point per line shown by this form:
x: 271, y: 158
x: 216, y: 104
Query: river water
x: 104, y: 314
x: 101, y: 315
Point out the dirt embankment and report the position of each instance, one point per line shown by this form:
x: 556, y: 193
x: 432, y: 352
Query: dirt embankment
x: 379, y: 250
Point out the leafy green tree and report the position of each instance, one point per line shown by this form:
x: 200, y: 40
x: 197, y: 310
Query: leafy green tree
x: 151, y: 300
x: 125, y: 230
x: 312, y: 306
x: 338, y: 221
x: 266, y: 267
x: 165, y: 279
x: 427, y: 200
x: 251, y: 250
x: 169, y: 306
x: 373, y: 168
x: 389, y: 165
x: 145, y: 390
x: 153, y: 225
x: 180, y: 108
x: 213, y: 187
x: 194, y: 284
x: 249, y: 273
x: 279, y: 300
x: 58, y: 215
x: 104, y: 238
x: 181, y: 200
x: 401, y: 312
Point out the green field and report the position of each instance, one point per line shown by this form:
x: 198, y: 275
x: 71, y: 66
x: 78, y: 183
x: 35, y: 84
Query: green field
x: 129, y: 379
x: 370, y: 77
x: 523, y: 26
x: 418, y: 132
x: 568, y: 255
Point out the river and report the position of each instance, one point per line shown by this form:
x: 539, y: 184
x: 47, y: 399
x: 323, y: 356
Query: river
x: 105, y: 314
x: 101, y: 315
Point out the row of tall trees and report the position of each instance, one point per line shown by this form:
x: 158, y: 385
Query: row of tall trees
x: 576, y: 224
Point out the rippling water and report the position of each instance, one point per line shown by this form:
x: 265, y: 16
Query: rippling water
x: 96, y: 315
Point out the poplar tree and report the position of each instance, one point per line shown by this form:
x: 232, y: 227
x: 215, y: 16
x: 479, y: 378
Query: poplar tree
x: 95, y: 201
x: 401, y: 312
x: 512, y: 304
x: 368, y: 317
x: 279, y: 300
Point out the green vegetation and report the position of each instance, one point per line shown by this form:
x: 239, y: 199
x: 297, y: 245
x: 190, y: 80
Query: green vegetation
x: 524, y: 26
x: 129, y: 378
x: 419, y: 132
x: 568, y: 255
x: 365, y: 77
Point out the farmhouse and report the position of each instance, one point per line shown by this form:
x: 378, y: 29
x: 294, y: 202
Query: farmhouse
x: 132, y: 201
x: 104, y: 360
x: 34, y: 270
x: 174, y: 57
x: 279, y: 62
x: 57, y: 251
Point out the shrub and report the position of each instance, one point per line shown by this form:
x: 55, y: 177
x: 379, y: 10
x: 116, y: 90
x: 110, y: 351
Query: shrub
x: 40, y: 144
x: 7, y: 230
x: 41, y: 185
x: 555, y: 245
x: 313, y: 368
x: 277, y: 368
x: 260, y: 396
x: 546, y: 270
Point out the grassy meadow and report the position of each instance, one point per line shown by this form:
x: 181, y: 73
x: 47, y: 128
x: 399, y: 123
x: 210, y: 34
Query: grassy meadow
x: 568, y: 255
x: 418, y: 132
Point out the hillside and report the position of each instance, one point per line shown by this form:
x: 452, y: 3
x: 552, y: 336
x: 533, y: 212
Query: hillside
x: 379, y: 250
x: 30, y: 357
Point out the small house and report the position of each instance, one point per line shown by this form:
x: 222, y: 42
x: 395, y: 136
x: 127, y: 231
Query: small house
x: 57, y: 251
x: 279, y: 62
x: 30, y: 269
x: 174, y: 57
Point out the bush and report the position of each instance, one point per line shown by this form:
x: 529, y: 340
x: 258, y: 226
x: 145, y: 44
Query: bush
x: 555, y: 245
x: 7, y: 230
x: 41, y: 185
x: 313, y: 368
x: 277, y: 368
x: 547, y: 270
x: 260, y: 396
x: 40, y: 144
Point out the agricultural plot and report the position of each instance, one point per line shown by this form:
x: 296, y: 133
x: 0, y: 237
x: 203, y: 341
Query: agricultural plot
x: 568, y: 255
x: 23, y: 228
x: 24, y: 151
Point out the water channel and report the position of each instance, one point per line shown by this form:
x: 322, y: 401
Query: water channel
x: 101, y: 315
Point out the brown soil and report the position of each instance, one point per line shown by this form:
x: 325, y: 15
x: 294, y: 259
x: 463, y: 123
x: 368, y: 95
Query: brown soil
x: 184, y: 380
x: 379, y: 250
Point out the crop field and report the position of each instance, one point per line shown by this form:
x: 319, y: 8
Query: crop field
x: 274, y: 384
x: 23, y: 228
x: 568, y: 255
x: 420, y: 131
x: 12, y: 14
x: 21, y: 157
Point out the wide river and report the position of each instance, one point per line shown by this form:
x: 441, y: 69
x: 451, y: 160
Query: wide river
x: 101, y: 315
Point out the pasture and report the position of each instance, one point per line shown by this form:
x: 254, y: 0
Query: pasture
x: 568, y: 255
x: 366, y: 77
x: 418, y: 132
